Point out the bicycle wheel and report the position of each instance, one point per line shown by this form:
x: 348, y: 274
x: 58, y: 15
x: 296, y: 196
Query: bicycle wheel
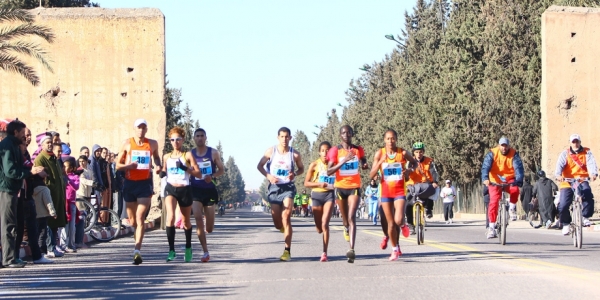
x: 417, y: 218
x: 503, y: 221
x: 89, y: 214
x: 578, y: 221
x: 421, y: 235
x: 104, y: 232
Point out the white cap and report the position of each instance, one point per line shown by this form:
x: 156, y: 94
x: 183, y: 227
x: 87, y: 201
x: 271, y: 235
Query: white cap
x: 574, y: 137
x: 448, y: 181
x: 139, y: 122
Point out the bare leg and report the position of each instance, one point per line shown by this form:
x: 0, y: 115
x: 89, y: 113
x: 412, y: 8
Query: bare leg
x: 318, y: 216
x: 198, y: 215
x: 209, y: 215
x: 171, y: 207
x: 137, y: 215
x: 352, y: 206
x: 388, y: 210
x: 327, y: 207
x: 343, y: 204
x: 286, y: 219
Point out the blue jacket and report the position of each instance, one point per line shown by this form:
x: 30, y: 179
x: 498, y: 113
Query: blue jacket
x: 96, y: 170
x: 517, y: 165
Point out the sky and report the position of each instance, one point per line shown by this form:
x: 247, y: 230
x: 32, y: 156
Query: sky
x: 247, y: 68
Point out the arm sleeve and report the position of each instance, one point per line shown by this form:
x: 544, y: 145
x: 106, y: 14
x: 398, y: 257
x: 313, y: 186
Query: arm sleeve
x: 519, y: 170
x: 486, y: 166
x: 332, y: 155
x: 361, y: 154
x: 591, y: 162
x: 560, y: 163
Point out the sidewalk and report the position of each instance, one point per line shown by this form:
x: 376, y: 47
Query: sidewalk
x: 149, y: 225
x: 463, y: 217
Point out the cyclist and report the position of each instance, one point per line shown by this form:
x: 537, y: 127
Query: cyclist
x: 321, y: 194
x: 575, y: 162
x: 345, y: 160
x: 389, y: 161
x: 501, y: 165
x: 422, y: 183
x: 281, y: 161
x: 304, y: 202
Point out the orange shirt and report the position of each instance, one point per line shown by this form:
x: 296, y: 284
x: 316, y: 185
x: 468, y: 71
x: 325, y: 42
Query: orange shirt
x: 572, y: 169
x: 348, y: 176
x: 502, y: 167
x: 392, y: 181
x: 141, y: 155
x: 418, y: 177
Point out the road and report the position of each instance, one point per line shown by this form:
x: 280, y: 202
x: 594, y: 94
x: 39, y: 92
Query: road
x: 457, y: 262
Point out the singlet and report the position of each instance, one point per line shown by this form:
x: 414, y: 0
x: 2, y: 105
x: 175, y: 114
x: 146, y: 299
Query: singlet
x: 206, y: 166
x: 348, y: 176
x: 280, y: 165
x: 320, y: 175
x: 141, y: 155
x: 392, y: 181
x: 176, y: 175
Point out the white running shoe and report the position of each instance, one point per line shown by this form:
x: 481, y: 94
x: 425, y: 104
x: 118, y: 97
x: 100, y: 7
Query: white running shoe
x: 491, y: 233
x: 50, y: 255
x: 43, y: 260
x: 451, y: 221
x: 566, y: 229
x: 586, y: 222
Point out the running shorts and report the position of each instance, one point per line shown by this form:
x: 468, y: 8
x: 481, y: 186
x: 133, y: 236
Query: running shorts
x: 345, y: 193
x: 206, y: 196
x: 133, y: 190
x: 279, y: 192
x: 320, y: 198
x: 182, y: 194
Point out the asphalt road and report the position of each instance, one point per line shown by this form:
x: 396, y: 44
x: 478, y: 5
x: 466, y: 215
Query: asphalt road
x: 456, y: 262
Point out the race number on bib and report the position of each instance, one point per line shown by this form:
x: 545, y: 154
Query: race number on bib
x: 392, y: 172
x: 142, y: 157
x: 327, y: 179
x: 281, y: 172
x: 205, y: 168
x: 349, y: 168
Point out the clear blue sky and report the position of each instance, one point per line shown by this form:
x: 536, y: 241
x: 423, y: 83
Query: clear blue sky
x: 249, y: 67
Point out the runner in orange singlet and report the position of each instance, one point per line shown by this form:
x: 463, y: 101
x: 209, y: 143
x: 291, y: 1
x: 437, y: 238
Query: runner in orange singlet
x: 134, y: 159
x: 344, y: 160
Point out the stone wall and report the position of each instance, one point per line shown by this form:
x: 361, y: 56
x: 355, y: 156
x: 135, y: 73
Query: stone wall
x: 109, y: 69
x: 570, y: 74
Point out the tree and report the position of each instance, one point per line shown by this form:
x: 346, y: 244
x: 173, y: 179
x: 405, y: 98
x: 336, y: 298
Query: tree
x: 223, y: 184
x: 12, y: 47
x: 29, y: 4
x: 301, y: 144
x: 236, y: 192
x: 172, y: 100
x: 187, y: 123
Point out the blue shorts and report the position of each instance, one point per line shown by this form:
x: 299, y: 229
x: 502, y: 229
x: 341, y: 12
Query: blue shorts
x: 133, y: 190
x: 279, y: 192
x: 387, y: 199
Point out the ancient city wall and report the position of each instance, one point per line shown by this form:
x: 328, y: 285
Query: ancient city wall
x: 109, y: 69
x: 570, y: 81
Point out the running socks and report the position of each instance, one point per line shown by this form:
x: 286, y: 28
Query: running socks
x: 171, y: 237
x: 288, y: 249
x: 188, y: 238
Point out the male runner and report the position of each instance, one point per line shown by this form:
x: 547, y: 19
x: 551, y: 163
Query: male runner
x: 134, y: 160
x: 204, y: 191
x: 281, y: 161
x: 343, y: 160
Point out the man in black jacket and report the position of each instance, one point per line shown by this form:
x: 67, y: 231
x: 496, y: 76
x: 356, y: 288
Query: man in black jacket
x: 12, y: 173
x: 526, y: 195
x: 544, y: 190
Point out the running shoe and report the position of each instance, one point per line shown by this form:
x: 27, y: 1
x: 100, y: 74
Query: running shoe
x: 429, y: 213
x: 188, y: 255
x: 205, y: 257
x: 282, y: 230
x: 491, y: 233
x: 324, y: 257
x: 43, y: 260
x: 394, y: 256
x: 171, y: 256
x: 586, y: 222
x: 548, y: 224
x: 411, y: 227
x: 346, y: 234
x: 351, y: 255
x: 58, y: 253
x: 384, y: 242
x: 137, y: 259
x: 405, y: 231
x: 566, y: 229
x: 285, y: 256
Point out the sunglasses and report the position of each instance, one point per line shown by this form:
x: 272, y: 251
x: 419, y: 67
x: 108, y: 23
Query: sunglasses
x: 176, y: 140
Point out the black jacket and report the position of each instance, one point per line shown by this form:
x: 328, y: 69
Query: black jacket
x: 12, y: 170
x: 544, y: 189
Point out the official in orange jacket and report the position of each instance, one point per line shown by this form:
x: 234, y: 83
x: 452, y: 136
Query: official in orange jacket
x: 575, y: 162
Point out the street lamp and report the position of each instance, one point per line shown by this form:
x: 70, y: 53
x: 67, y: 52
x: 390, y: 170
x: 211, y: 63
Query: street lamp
x: 365, y: 68
x: 392, y: 38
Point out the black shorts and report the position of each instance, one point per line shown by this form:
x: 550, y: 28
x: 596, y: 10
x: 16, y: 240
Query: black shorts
x: 320, y: 198
x: 181, y: 194
x: 133, y: 190
x: 345, y: 193
x: 279, y: 192
x: 206, y: 196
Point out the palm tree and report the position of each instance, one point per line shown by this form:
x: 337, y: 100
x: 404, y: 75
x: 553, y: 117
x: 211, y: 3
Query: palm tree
x: 12, y: 47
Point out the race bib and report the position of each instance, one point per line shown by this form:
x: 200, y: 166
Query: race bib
x: 392, y: 172
x: 327, y: 179
x: 280, y: 171
x: 142, y: 157
x: 205, y: 168
x: 349, y: 168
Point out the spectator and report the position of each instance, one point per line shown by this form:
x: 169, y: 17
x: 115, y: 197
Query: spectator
x: 106, y: 193
x: 85, y: 151
x: 12, y: 173
x: 448, y: 193
x: 526, y: 195
x: 372, y: 192
x: 71, y: 194
x: 86, y: 182
x: 44, y: 207
x: 543, y: 191
x: 486, y: 202
x: 49, y: 159
x: 55, y: 139
x: 97, y: 173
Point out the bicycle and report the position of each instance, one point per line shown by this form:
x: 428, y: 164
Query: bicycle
x: 419, y: 219
x: 502, y: 219
x: 100, y: 231
x: 576, y: 226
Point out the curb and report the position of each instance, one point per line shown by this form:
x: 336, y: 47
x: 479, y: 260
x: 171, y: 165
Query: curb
x: 26, y: 251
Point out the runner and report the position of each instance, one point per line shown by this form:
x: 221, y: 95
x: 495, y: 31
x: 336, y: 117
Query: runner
x: 389, y: 162
x: 204, y: 191
x: 321, y: 195
x: 344, y: 160
x: 134, y: 159
x: 179, y: 165
x: 281, y: 161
